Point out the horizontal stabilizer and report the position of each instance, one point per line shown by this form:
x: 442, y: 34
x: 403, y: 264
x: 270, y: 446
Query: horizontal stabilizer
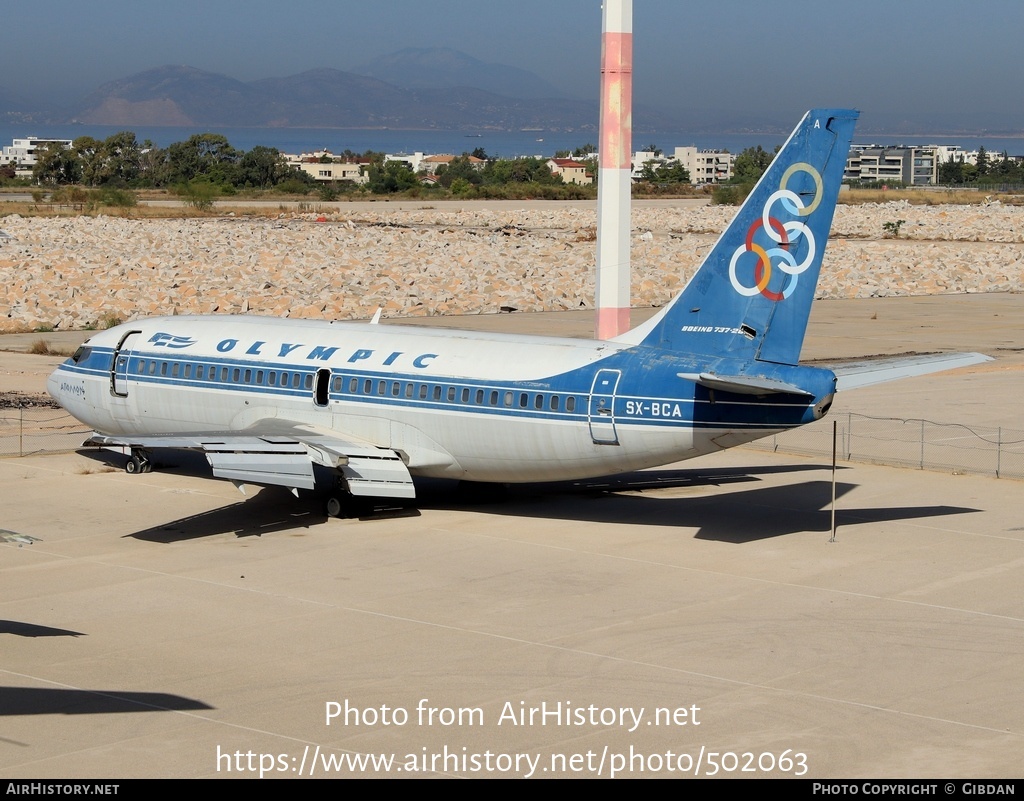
x: 878, y: 371
x: 745, y: 384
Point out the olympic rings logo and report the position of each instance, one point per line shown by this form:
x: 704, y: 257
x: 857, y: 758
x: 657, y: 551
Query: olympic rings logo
x: 782, y: 235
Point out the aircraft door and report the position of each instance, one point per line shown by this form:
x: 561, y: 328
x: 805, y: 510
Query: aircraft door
x: 119, y: 365
x: 601, y: 412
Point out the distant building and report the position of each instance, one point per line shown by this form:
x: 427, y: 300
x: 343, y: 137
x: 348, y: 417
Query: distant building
x: 22, y: 153
x: 414, y: 160
x: 572, y: 172
x: 910, y: 165
x: 705, y: 166
x: 322, y: 165
x: 431, y: 164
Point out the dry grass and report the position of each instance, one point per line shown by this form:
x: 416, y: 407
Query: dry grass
x: 93, y: 469
x: 43, y: 348
x: 928, y: 197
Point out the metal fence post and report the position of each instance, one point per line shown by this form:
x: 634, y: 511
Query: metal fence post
x: 922, y: 444
x: 21, y: 431
x: 999, y: 449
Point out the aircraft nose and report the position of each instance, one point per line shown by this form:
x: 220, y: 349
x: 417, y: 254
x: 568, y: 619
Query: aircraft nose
x: 53, y: 385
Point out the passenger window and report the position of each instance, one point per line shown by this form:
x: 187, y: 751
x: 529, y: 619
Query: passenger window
x: 248, y: 376
x: 163, y: 368
x: 224, y: 374
x: 423, y: 391
x: 437, y: 392
x: 494, y: 397
x: 381, y: 387
x: 336, y: 383
x: 554, y: 403
x: 570, y: 403
x: 408, y: 390
x: 353, y: 385
x: 141, y: 366
x: 236, y: 375
x: 272, y: 378
x: 188, y: 371
x: 200, y: 370
x: 479, y: 397
x: 451, y: 393
x: 396, y: 388
x: 174, y: 370
x: 538, y: 402
x: 367, y: 386
x: 259, y: 376
x: 308, y: 381
x: 508, y: 398
x: 152, y: 368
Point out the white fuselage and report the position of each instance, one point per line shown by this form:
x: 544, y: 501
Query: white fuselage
x: 466, y: 405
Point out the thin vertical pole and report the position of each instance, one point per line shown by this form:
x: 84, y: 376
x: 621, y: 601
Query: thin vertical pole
x: 834, y: 438
x: 614, y: 176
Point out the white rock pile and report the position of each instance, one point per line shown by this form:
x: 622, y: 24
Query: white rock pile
x: 85, y: 271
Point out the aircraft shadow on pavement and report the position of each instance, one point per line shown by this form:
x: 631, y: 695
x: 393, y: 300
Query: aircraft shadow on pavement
x: 56, y: 701
x: 267, y: 510
x: 21, y: 629
x: 670, y: 497
x: 736, y: 516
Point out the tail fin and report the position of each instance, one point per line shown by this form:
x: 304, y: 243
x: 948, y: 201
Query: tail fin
x: 752, y: 295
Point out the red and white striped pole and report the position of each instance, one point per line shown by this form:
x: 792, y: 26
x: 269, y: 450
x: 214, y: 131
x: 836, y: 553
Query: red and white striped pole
x: 614, y: 176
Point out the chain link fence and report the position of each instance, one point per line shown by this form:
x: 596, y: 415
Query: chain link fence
x: 30, y: 429
x: 921, y: 444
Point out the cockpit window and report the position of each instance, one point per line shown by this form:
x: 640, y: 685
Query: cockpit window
x: 82, y: 354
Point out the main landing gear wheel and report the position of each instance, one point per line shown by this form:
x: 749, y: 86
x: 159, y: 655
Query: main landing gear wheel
x: 138, y: 463
x: 335, y: 506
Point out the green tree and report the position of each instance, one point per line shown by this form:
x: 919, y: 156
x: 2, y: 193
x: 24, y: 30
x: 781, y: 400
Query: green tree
x: 56, y: 165
x: 519, y: 171
x: 263, y: 167
x: 669, y: 172
x: 951, y: 171
x: 89, y: 152
x: 459, y: 168
x: 390, y: 177
x: 751, y: 164
x: 122, y: 158
x: 208, y: 155
x: 983, y: 162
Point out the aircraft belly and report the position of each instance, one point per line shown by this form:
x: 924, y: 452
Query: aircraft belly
x: 507, y: 449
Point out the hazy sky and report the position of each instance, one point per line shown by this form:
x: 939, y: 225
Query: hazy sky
x: 886, y: 57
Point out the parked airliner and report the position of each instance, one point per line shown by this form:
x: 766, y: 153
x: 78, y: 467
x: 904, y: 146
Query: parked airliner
x: 267, y: 399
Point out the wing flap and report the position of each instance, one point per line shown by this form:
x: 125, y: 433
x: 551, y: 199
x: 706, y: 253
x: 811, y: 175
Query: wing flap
x: 286, y: 461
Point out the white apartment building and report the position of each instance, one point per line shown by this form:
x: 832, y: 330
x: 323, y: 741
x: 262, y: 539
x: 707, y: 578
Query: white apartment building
x: 705, y: 166
x: 22, y: 153
x: 910, y: 165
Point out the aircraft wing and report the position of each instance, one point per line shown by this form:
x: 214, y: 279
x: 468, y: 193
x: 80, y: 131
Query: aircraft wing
x: 876, y: 371
x: 285, y: 459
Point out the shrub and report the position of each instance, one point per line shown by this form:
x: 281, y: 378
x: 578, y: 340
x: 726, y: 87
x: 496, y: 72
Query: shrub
x: 199, y: 194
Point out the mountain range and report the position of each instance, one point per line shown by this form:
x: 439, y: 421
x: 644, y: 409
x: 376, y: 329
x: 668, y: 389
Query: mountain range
x: 415, y: 88
x: 420, y: 88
